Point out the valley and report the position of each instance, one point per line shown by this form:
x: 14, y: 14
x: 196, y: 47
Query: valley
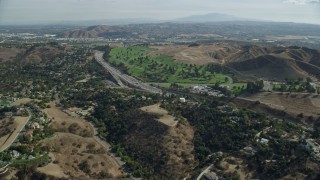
x: 160, y: 101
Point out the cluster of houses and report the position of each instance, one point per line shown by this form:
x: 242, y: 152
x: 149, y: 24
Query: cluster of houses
x: 6, y: 100
x: 211, y: 176
x: 313, y: 146
x: 38, y: 123
x: 203, y: 89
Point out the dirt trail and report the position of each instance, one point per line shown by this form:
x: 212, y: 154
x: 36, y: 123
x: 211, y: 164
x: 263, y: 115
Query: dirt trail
x: 165, y: 118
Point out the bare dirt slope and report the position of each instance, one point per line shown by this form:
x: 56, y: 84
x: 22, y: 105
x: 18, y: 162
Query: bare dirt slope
x: 271, y: 63
x: 164, y: 116
x: 168, y: 151
x: 53, y: 169
x: 37, y: 54
x: 22, y: 101
x: 292, y: 103
x: 9, y: 54
x: 76, y: 153
x: 79, y: 157
x: 91, y: 32
x: 203, y: 54
x: 179, y: 144
x: 62, y: 122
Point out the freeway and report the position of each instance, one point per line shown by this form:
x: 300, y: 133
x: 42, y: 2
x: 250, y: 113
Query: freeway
x: 121, y: 77
x: 16, y: 133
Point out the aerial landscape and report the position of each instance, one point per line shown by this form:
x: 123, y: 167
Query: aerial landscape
x: 193, y: 96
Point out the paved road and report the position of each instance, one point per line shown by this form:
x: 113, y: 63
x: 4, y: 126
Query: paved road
x: 204, y: 172
x: 119, y: 76
x: 106, y: 145
x: 18, y: 132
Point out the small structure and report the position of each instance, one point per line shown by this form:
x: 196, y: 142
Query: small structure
x: 249, y: 150
x: 211, y: 176
x: 15, y: 154
x: 42, y: 120
x: 227, y: 109
x: 29, y: 133
x: 314, y: 147
x: 35, y: 125
x: 30, y: 157
x: 263, y: 141
x: 183, y: 100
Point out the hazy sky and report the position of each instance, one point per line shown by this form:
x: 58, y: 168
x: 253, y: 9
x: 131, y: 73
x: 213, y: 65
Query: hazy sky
x: 51, y: 11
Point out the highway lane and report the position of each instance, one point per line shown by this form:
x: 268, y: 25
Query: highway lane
x: 119, y: 76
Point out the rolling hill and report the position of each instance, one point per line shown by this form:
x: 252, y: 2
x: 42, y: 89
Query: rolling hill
x: 93, y: 32
x: 251, y: 61
x: 211, y: 17
x: 277, y: 63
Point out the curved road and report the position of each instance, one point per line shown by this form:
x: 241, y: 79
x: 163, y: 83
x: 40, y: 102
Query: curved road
x: 18, y: 132
x: 204, y: 172
x: 106, y: 145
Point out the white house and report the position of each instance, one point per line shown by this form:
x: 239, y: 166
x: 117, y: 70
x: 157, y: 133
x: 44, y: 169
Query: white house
x: 183, y: 100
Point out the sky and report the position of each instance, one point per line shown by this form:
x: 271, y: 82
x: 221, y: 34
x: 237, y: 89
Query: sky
x: 55, y: 11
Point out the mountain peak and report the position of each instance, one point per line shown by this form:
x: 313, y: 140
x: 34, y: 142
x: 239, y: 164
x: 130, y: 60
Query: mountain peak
x: 211, y: 17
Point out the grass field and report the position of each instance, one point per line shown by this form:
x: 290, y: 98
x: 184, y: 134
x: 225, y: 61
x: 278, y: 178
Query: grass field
x: 139, y: 63
x: 32, y: 162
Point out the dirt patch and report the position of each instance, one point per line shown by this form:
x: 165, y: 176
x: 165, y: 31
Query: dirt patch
x: 76, y: 151
x: 73, y: 144
x: 293, y: 103
x: 179, y: 144
x: 235, y: 165
x: 9, y: 54
x: 163, y: 114
x: 80, y: 157
x: 203, y: 54
x: 168, y: 151
x: 22, y: 101
x: 52, y: 169
x: 62, y: 122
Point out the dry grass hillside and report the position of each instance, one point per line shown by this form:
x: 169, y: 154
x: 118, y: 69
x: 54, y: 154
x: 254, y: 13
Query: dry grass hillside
x: 293, y: 103
x: 271, y: 63
x: 62, y: 122
x: 91, y: 32
x: 277, y: 63
x: 167, y: 150
x: 75, y: 151
x: 78, y: 157
x: 9, y: 54
x: 203, y: 54
x: 37, y: 54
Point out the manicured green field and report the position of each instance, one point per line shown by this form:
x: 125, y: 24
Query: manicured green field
x: 137, y: 61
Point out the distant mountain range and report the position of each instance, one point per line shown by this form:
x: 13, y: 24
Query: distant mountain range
x: 212, y: 17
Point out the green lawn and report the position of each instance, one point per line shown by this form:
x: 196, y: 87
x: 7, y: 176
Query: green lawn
x: 162, y: 69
